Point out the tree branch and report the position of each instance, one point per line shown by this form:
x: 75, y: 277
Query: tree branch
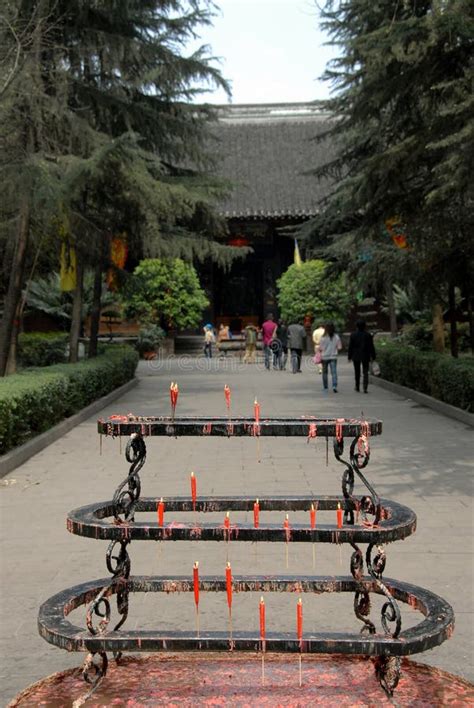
x: 14, y: 69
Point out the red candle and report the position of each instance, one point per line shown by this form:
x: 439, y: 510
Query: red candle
x: 339, y: 516
x: 227, y: 521
x: 161, y: 511
x: 196, y: 583
x: 286, y: 526
x: 256, y: 514
x: 262, y: 619
x: 299, y: 619
x: 228, y: 583
x: 312, y: 516
x: 227, y: 396
x: 174, y: 392
x: 256, y: 410
x: 193, y: 490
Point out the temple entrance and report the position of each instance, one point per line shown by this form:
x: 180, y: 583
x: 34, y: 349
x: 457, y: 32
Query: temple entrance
x: 247, y: 292
x: 238, y: 293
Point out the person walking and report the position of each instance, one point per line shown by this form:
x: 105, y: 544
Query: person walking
x: 268, y: 328
x: 361, y: 352
x: 222, y: 336
x: 329, y: 346
x: 280, y: 355
x: 250, y: 344
x: 296, y: 344
x: 209, y: 340
x: 317, y: 334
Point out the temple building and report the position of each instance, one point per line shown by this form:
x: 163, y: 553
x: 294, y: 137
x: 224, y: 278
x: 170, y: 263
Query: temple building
x: 266, y: 152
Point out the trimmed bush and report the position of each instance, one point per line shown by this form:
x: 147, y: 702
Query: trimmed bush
x: 36, y: 399
x: 42, y: 348
x: 438, y: 375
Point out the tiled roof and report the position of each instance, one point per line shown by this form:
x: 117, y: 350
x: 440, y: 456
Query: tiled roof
x: 264, y: 151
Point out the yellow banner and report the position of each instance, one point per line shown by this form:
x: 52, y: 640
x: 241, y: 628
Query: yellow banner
x: 68, y: 279
x: 297, y: 257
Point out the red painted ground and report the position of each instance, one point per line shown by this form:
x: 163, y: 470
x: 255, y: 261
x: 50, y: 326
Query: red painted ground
x: 236, y: 680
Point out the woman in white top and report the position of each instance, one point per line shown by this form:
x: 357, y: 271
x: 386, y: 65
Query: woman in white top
x: 329, y: 346
x: 317, y: 334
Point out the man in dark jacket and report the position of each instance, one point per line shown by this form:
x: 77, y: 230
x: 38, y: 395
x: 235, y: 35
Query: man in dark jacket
x: 296, y: 343
x: 361, y: 351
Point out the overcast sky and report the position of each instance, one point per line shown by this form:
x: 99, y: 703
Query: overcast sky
x: 271, y: 50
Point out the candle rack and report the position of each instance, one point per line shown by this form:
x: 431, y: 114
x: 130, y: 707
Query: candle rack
x: 367, y: 519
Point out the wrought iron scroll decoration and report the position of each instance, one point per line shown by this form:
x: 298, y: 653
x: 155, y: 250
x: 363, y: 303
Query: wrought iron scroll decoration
x: 119, y: 565
x: 347, y: 479
x: 388, y: 668
x: 362, y: 597
x: 359, y: 460
x: 125, y: 500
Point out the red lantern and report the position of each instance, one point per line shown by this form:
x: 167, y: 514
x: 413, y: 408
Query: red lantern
x: 238, y: 242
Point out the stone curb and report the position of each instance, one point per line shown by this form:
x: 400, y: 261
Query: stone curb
x: 21, y: 454
x: 425, y: 400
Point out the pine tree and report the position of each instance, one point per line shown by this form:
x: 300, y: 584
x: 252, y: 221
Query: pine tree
x: 402, y: 109
x: 104, y: 100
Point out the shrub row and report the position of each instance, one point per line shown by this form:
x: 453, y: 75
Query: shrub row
x: 36, y: 399
x: 438, y: 375
x: 42, y: 348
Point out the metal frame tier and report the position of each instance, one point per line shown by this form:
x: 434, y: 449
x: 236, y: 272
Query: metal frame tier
x: 430, y: 632
x: 237, y: 426
x: 97, y: 521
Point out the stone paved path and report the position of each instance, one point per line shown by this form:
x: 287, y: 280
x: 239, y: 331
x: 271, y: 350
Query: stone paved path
x: 423, y: 460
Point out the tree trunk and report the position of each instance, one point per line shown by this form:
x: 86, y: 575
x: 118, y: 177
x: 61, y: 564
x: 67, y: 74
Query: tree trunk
x: 438, y: 327
x: 12, y: 354
x: 453, y: 330
x: 76, y: 320
x: 13, y: 295
x: 391, y: 310
x: 95, y: 311
x: 470, y: 315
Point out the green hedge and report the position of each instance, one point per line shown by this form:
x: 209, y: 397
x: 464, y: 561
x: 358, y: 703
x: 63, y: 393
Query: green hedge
x: 42, y: 348
x: 36, y: 399
x: 438, y: 375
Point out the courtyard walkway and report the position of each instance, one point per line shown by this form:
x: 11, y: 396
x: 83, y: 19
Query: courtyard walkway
x: 423, y: 460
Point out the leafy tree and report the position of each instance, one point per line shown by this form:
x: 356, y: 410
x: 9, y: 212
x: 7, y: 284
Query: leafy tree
x: 403, y: 133
x: 165, y: 292
x: 310, y: 288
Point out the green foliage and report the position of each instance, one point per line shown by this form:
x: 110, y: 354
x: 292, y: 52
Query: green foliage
x: 310, y: 288
x: 166, y: 292
x: 402, y: 140
x: 45, y: 295
x: 36, y: 399
x: 410, y: 306
x: 100, y: 133
x: 149, y: 338
x: 141, y: 98
x: 438, y: 375
x: 42, y: 348
x: 418, y: 335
